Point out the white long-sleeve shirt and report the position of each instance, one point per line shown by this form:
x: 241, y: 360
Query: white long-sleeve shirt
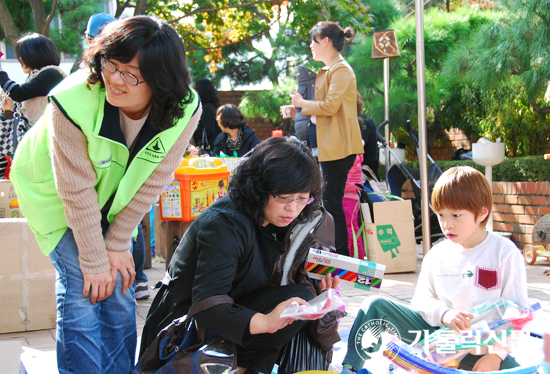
x: 453, y: 277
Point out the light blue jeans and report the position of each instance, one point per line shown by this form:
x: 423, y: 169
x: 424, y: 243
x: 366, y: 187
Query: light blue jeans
x: 91, y: 338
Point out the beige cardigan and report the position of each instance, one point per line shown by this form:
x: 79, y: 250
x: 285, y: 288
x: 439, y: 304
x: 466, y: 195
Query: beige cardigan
x: 335, y: 105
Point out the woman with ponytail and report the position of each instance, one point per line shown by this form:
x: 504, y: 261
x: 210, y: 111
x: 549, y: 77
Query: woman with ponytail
x: 334, y: 111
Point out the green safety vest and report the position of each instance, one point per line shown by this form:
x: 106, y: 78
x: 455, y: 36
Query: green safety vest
x: 119, y: 173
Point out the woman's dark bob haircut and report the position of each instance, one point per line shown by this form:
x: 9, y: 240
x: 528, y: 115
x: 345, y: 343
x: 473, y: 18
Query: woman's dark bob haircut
x: 338, y: 36
x: 36, y: 51
x: 162, y: 63
x: 230, y: 116
x: 277, y: 166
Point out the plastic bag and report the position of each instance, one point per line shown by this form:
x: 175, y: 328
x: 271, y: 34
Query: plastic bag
x: 318, y: 306
x: 302, y: 354
x: 492, y: 322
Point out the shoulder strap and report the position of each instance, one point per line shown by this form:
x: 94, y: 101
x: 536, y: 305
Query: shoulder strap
x: 208, y: 303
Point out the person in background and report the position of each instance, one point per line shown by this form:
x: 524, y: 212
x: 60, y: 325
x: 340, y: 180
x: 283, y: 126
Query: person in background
x: 236, y: 137
x: 444, y: 293
x: 90, y: 169
x: 138, y: 254
x: 208, y: 128
x: 370, y: 140
x: 96, y: 23
x: 335, y: 108
x: 351, y: 197
x: 252, y: 245
x: 39, y: 58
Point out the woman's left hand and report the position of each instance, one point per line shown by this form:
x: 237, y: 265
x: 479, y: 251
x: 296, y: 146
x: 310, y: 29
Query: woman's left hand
x: 123, y: 262
x: 272, y: 322
x: 329, y: 282
x: 297, y: 99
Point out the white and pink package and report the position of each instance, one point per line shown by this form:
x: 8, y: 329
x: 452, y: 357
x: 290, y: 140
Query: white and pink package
x: 318, y: 306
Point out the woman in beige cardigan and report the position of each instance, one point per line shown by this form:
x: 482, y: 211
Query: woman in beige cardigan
x: 335, y: 110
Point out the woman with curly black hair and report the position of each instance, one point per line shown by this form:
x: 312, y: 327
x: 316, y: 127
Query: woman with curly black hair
x: 90, y: 169
x: 252, y: 246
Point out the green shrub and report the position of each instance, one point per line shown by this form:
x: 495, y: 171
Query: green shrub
x: 516, y: 169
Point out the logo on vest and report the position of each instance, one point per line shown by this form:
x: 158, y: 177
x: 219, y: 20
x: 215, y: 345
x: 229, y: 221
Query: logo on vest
x: 155, y: 151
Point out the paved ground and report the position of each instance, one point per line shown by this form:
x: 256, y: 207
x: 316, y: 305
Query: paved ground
x: 40, y: 345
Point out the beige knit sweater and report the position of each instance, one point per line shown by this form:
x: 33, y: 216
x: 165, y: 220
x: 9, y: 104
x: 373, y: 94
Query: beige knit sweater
x: 76, y: 179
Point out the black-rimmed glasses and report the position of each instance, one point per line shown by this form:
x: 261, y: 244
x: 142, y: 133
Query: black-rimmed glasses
x: 128, y: 77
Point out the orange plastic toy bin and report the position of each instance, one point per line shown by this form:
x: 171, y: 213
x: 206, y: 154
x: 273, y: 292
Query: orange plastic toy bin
x: 198, y: 182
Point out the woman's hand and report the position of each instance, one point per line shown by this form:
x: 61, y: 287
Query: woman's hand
x: 101, y: 284
x: 297, y: 99
x: 457, y: 319
x: 272, y: 322
x: 123, y: 262
x: 8, y: 105
x: 329, y: 282
x: 292, y: 111
x: 489, y: 362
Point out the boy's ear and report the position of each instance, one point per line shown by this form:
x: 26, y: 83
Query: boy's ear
x: 483, y: 213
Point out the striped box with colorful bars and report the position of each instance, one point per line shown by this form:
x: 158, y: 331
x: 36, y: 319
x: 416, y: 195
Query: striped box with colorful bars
x: 363, y: 274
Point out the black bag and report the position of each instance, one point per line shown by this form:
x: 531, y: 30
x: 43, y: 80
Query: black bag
x: 184, y: 347
x: 303, y: 354
x: 11, y: 129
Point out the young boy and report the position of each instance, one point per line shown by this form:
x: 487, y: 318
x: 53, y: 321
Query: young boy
x: 472, y: 267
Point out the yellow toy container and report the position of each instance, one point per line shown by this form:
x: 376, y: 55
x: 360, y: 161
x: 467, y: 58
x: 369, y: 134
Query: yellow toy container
x: 198, y: 183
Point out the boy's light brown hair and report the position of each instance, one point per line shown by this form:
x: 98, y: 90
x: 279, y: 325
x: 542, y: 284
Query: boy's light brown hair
x: 464, y: 188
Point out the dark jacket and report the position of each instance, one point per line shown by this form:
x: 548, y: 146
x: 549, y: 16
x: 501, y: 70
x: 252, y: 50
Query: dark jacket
x: 306, y: 88
x: 207, y: 125
x: 368, y: 133
x: 250, y: 140
x: 224, y: 253
x: 40, y: 85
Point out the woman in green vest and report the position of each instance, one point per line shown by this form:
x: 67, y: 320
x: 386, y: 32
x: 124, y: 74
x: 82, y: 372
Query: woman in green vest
x: 91, y: 167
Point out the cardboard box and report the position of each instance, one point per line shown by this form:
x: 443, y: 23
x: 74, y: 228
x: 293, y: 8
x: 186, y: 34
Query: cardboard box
x: 365, y: 275
x: 390, y: 239
x: 27, y: 280
x: 9, y: 204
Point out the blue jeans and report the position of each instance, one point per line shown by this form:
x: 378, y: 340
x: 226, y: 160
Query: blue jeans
x: 139, y: 256
x: 91, y: 338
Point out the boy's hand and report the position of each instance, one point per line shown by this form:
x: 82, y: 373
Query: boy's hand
x: 489, y: 362
x: 457, y: 319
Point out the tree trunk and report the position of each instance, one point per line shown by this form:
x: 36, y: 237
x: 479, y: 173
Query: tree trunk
x: 39, y: 14
x: 10, y: 30
x: 536, y: 107
x: 141, y: 7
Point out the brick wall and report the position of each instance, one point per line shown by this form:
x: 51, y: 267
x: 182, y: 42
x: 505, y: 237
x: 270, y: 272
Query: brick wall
x: 517, y: 207
x: 261, y: 126
x: 447, y: 142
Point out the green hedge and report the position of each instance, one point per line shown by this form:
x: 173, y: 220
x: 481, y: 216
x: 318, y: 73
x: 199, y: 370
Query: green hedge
x: 516, y: 169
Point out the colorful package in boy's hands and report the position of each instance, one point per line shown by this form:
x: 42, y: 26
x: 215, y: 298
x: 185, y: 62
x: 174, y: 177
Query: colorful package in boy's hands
x: 493, y: 322
x: 364, y: 274
x: 318, y: 306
